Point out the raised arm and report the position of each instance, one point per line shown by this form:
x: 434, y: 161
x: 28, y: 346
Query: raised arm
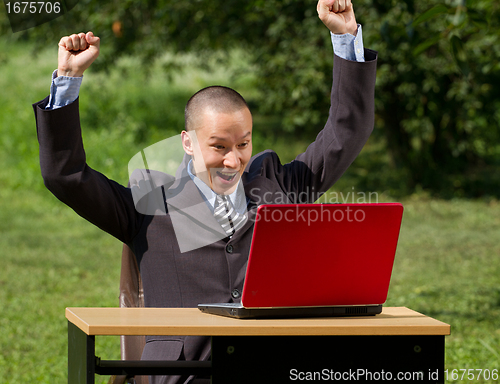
x: 65, y: 172
x: 351, y: 116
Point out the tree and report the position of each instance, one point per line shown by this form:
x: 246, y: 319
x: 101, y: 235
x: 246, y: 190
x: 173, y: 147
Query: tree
x: 436, y: 96
x: 437, y: 102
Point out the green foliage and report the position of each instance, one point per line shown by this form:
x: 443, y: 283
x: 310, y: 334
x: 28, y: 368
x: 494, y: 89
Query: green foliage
x: 437, y: 102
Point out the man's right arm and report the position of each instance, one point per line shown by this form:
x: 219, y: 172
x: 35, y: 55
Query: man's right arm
x: 351, y: 115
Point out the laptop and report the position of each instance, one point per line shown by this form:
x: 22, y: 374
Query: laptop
x: 309, y: 260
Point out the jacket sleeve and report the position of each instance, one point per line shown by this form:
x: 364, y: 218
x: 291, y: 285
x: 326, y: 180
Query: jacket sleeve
x: 65, y: 172
x: 349, y: 125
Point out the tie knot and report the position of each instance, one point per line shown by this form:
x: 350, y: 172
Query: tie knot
x: 221, y: 198
x: 227, y: 216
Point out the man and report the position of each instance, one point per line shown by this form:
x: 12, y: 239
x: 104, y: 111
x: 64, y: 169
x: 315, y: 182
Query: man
x: 219, y: 173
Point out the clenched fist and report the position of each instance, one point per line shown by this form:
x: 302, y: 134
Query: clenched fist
x: 338, y: 16
x: 77, y: 53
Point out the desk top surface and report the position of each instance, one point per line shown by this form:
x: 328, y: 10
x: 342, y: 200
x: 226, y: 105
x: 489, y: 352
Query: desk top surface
x: 192, y: 322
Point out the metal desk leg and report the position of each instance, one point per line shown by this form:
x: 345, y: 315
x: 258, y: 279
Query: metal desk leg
x: 81, y: 356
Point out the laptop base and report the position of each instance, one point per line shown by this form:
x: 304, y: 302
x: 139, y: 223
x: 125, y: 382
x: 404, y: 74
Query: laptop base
x: 236, y: 310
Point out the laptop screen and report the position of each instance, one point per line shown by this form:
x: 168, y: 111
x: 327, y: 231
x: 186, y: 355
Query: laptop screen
x: 321, y: 255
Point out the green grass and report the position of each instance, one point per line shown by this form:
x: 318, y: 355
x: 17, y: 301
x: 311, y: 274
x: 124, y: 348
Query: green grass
x: 51, y: 260
x: 446, y: 265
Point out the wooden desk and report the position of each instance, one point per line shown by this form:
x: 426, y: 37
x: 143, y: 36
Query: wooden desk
x: 399, y: 342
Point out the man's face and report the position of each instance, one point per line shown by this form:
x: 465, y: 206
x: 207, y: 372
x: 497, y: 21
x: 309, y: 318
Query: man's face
x: 224, y: 150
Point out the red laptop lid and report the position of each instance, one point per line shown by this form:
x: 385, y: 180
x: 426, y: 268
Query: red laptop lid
x: 321, y: 254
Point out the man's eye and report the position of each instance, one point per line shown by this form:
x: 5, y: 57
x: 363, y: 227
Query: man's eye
x: 243, y: 145
x: 218, y: 146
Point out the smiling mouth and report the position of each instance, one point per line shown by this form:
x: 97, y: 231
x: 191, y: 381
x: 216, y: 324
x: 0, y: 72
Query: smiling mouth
x: 226, y: 176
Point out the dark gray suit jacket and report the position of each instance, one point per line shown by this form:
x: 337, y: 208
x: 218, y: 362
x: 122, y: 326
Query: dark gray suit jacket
x: 213, y: 273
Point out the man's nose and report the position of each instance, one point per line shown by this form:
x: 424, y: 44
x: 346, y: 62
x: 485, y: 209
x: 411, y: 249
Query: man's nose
x: 232, y: 160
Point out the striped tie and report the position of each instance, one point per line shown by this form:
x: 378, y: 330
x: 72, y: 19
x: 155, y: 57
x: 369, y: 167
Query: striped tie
x: 229, y: 219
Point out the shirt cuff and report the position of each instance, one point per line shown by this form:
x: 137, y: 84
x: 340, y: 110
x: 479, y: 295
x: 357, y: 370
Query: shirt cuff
x: 349, y: 47
x: 63, y: 90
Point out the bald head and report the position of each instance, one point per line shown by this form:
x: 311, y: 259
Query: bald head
x: 217, y: 98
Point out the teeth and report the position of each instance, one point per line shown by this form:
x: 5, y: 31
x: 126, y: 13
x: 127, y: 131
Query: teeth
x: 226, y: 175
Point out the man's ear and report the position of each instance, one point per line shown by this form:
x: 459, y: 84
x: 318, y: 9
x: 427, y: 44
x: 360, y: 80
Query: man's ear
x: 187, y: 143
